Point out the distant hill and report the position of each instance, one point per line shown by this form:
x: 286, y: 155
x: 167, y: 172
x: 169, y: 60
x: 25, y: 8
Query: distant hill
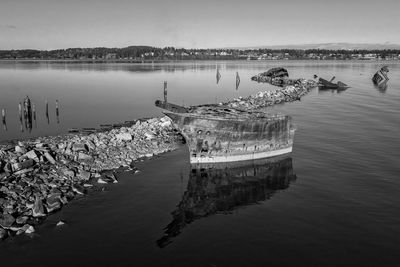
x: 327, y: 46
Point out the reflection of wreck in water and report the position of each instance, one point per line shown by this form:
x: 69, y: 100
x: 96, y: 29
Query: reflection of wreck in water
x: 222, y: 190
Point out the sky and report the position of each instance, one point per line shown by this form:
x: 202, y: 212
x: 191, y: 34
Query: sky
x: 53, y: 24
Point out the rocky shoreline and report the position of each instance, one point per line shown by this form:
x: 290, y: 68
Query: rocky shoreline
x: 38, y: 177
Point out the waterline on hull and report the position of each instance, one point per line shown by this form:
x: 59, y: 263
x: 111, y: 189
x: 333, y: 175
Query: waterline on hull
x: 245, y: 157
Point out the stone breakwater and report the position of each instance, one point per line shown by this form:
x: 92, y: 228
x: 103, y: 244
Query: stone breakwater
x: 38, y: 177
x: 292, y: 90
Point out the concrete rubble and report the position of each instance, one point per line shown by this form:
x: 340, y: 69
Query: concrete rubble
x: 38, y: 177
x: 292, y: 90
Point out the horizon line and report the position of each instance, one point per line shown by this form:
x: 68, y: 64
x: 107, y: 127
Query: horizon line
x: 251, y: 47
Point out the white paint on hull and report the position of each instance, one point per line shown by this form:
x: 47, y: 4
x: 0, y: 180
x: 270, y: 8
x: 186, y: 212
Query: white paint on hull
x: 243, y: 157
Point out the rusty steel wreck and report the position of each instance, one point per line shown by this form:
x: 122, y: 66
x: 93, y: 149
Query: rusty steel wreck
x: 236, y: 131
x: 216, y: 134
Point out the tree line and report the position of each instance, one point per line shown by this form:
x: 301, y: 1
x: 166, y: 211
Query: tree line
x: 155, y: 53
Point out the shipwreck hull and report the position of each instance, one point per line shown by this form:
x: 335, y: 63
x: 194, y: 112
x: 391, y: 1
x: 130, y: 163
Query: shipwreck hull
x: 213, y: 139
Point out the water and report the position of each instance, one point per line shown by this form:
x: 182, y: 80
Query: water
x: 339, y: 208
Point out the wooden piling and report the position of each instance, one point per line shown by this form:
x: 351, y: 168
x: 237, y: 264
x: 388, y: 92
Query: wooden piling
x: 237, y: 80
x: 20, y: 111
x: 3, y: 115
x: 218, y: 76
x: 57, y: 112
x: 47, y: 112
x: 3, y: 119
x: 165, y: 92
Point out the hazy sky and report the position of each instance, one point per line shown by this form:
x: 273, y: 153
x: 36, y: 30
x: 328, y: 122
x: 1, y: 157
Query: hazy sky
x: 51, y: 24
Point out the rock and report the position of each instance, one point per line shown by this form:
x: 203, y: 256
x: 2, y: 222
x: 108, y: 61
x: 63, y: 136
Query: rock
x: 22, y: 219
x: 49, y: 158
x: 22, y: 165
x: 69, y: 173
x: 90, y: 145
x: 3, y: 233
x: 77, y: 188
x: 60, y: 223
x: 32, y: 155
x: 53, y: 203
x: 63, y: 200
x: 39, y: 145
x: 83, y: 156
x: 123, y: 136
x: 20, y: 149
x: 30, y: 229
x: 85, y: 175
x: 37, y: 209
x: 6, y: 220
x: 23, y: 171
x: 108, y: 177
x: 27, y: 229
x: 101, y: 181
x: 149, y: 135
x: 79, y: 147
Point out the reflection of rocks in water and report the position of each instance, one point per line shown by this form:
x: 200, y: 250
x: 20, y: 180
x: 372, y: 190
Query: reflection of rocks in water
x: 213, y: 191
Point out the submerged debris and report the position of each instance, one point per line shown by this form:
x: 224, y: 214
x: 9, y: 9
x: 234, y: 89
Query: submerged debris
x: 39, y: 176
x: 324, y: 84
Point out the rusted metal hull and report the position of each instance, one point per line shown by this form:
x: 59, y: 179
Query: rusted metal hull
x: 212, y: 139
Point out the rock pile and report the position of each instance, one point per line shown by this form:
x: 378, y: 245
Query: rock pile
x: 39, y: 176
x: 288, y: 93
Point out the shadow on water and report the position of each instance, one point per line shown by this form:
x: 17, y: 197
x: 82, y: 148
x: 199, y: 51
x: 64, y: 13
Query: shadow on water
x: 221, y: 190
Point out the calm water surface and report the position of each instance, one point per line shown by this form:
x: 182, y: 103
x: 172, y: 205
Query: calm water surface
x: 335, y: 202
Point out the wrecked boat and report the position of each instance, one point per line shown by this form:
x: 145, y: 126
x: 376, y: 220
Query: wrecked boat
x: 325, y: 84
x: 219, y: 133
x: 381, y: 76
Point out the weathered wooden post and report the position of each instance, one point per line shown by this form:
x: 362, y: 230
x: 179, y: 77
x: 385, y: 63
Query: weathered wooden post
x: 57, y: 112
x: 3, y: 118
x: 20, y: 117
x: 28, y: 113
x: 47, y: 112
x: 165, y: 92
x: 3, y: 115
x: 237, y: 80
x: 20, y: 111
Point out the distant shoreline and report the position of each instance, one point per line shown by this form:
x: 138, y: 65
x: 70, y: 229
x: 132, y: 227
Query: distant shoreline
x: 182, y: 60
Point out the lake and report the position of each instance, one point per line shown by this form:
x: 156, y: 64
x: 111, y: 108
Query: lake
x: 334, y: 202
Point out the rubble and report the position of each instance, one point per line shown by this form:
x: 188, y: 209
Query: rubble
x: 38, y: 177
x: 293, y: 90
